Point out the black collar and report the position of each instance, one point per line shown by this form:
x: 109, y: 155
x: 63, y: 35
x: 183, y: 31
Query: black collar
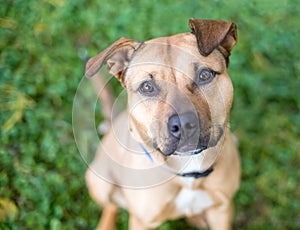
x: 196, y: 174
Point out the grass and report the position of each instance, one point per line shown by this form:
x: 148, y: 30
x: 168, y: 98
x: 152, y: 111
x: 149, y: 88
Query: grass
x: 42, y: 44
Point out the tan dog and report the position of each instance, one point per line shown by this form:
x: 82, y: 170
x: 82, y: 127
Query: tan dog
x: 171, y: 154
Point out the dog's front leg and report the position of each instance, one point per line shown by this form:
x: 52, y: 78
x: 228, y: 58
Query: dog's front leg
x: 219, y: 217
x: 136, y: 224
x: 108, y: 217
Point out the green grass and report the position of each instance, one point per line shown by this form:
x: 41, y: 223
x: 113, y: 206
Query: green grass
x: 41, y: 171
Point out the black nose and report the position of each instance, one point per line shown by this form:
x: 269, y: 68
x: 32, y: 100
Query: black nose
x: 183, y: 125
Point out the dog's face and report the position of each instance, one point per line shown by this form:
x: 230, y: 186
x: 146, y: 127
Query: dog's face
x: 178, y: 99
x: 179, y: 91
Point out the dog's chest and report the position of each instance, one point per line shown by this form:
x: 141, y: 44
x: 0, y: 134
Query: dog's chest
x: 191, y: 201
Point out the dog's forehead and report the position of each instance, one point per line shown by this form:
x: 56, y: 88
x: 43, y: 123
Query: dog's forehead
x: 178, y: 51
x: 166, y: 49
x: 186, y: 41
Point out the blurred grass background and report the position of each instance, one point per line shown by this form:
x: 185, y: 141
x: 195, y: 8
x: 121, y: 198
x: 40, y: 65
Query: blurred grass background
x: 41, y: 42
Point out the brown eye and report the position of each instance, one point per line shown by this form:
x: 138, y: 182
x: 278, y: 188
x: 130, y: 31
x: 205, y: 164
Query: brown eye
x: 147, y: 88
x: 205, y: 75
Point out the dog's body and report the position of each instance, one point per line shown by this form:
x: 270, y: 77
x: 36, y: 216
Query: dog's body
x: 171, y: 153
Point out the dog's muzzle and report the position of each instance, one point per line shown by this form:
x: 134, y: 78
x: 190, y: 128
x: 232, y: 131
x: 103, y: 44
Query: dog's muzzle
x: 184, y: 136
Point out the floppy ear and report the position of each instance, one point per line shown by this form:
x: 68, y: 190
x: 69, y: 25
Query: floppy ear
x: 211, y: 34
x: 116, y: 56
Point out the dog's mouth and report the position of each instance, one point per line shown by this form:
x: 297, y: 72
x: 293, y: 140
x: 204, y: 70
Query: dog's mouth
x: 188, y: 147
x: 180, y: 151
x: 191, y: 152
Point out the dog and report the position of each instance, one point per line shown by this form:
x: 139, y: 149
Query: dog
x: 170, y: 154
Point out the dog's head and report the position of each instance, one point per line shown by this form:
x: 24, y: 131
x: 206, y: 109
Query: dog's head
x: 179, y: 91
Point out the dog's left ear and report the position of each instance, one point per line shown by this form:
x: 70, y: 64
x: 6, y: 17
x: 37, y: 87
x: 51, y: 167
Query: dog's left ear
x: 211, y: 34
x: 116, y: 56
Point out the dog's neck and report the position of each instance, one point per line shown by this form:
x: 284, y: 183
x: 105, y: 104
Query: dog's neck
x: 194, y: 174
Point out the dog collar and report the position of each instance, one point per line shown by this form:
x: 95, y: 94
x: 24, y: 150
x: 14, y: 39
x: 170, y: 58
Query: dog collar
x: 194, y: 174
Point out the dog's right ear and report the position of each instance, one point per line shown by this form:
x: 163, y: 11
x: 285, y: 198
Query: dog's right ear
x: 116, y: 56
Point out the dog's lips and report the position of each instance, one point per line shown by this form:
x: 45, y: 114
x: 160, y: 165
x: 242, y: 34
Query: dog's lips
x: 182, y: 151
x: 192, y: 152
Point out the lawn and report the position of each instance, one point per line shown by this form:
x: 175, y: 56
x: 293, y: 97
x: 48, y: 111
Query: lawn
x: 43, y: 45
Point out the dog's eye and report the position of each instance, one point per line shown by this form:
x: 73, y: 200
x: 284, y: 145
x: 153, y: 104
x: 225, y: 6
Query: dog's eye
x: 147, y: 88
x: 205, y: 75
